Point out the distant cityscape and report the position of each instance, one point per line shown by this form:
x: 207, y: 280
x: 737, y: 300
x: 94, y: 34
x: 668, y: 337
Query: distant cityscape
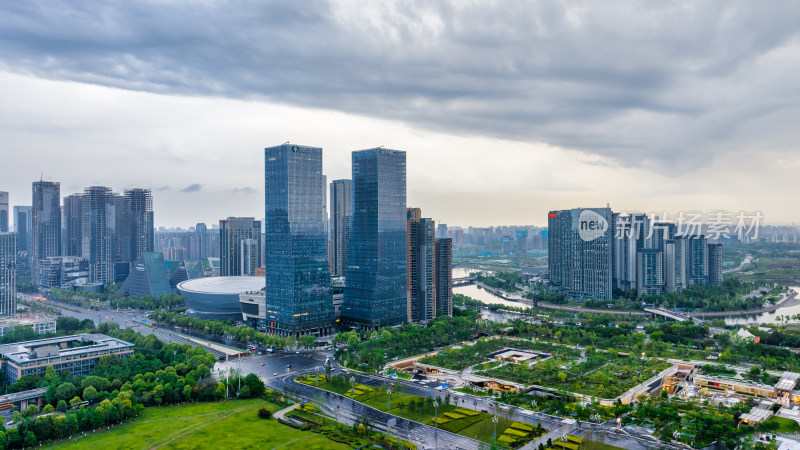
x: 347, y: 253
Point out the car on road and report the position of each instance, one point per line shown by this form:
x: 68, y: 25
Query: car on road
x: 275, y: 374
x: 262, y: 364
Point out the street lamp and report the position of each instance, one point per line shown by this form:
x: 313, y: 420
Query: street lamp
x: 494, y: 422
x: 436, y: 413
x: 316, y: 377
x: 353, y: 386
x: 389, y: 400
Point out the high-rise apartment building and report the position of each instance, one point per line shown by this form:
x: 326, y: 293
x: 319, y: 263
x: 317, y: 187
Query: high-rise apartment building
x: 421, y: 251
x: 233, y: 231
x: 341, y: 224
x: 298, y: 291
x: 138, y: 227
x: 444, y: 276
x: 650, y: 272
x: 697, y: 259
x: 46, y: 222
x: 4, y: 212
x: 579, y: 252
x: 375, y: 290
x: 675, y: 277
x: 715, y: 263
x: 8, y: 274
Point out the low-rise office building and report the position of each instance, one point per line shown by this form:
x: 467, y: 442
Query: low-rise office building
x: 77, y: 354
x: 41, y: 324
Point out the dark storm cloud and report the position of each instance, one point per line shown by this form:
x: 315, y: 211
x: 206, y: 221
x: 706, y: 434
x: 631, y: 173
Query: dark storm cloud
x: 192, y: 188
x: 636, y: 82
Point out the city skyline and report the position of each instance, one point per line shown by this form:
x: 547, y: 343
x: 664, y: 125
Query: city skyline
x: 514, y: 129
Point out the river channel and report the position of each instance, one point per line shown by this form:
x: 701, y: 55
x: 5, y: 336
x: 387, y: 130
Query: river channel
x: 487, y: 297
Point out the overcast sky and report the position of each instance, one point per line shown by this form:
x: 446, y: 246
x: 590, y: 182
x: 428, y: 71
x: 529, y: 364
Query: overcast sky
x: 505, y: 109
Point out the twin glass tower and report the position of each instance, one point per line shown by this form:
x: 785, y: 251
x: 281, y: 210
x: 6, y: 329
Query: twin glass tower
x: 298, y: 293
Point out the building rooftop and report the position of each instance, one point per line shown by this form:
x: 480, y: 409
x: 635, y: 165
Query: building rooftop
x: 788, y: 381
x: 223, y: 285
x: 22, y: 352
x: 24, y: 320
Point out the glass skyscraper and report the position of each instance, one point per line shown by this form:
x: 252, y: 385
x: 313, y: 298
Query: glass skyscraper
x: 298, y: 292
x: 376, y: 275
x: 46, y: 222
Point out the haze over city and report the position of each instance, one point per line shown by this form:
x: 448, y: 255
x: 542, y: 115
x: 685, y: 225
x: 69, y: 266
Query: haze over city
x: 505, y: 113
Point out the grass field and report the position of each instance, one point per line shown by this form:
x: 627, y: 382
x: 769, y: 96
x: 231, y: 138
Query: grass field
x: 231, y: 424
x: 785, y: 425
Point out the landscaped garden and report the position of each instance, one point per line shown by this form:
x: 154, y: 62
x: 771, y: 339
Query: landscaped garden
x: 602, y: 375
x: 473, y: 424
x: 467, y: 355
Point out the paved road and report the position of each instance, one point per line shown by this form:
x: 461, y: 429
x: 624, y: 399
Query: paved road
x: 348, y: 410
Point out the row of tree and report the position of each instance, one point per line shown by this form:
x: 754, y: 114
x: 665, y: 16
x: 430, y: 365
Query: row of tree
x: 118, y: 388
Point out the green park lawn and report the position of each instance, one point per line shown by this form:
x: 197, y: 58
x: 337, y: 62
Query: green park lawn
x: 785, y: 425
x: 230, y: 424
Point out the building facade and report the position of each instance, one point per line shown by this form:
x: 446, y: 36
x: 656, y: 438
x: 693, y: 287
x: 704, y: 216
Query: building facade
x: 4, y: 212
x: 99, y: 220
x: 46, y: 225
x: 232, y: 232
x: 8, y: 274
x: 297, y: 291
x: 421, y: 259
x: 444, y: 276
x: 375, y: 291
x: 23, y: 221
x: 341, y: 224
x: 579, y: 252
x: 77, y: 354
x: 715, y: 263
x: 63, y: 271
x: 138, y: 227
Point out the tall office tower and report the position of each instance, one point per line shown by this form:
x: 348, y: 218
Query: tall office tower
x: 674, y: 265
x: 298, y: 284
x: 421, y: 251
x: 250, y: 256
x: 4, y: 212
x: 233, y: 231
x: 650, y: 272
x: 8, y: 274
x: 23, y: 222
x: 138, y: 227
x: 579, y: 250
x: 444, y: 276
x: 375, y: 291
x: 441, y: 231
x: 99, y: 222
x: 341, y: 224
x: 715, y: 264
x: 697, y: 259
x: 23, y: 226
x: 73, y: 225
x: 46, y: 224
